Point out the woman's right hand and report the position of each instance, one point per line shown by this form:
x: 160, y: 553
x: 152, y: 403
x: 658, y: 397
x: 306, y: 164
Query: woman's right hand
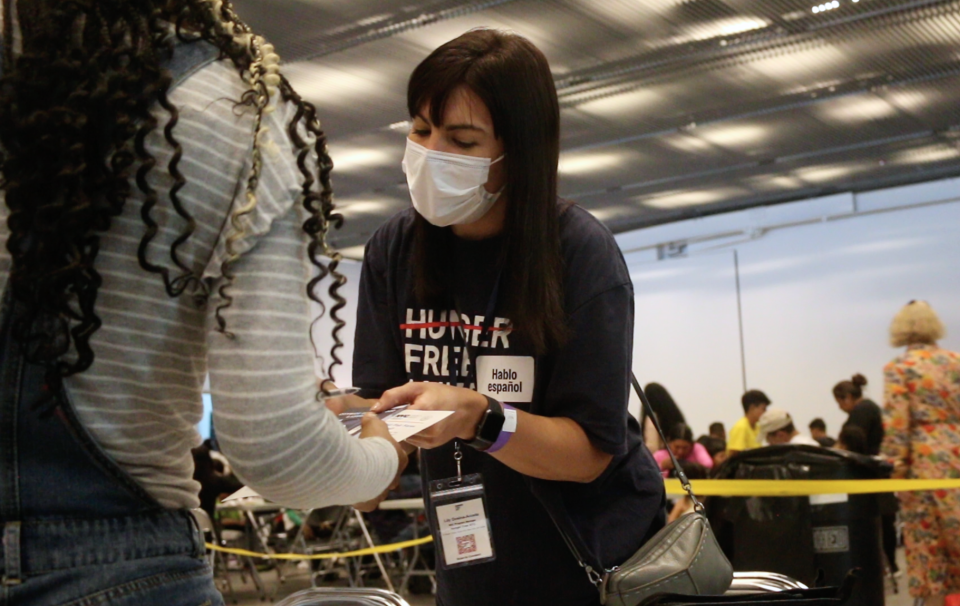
x: 372, y: 426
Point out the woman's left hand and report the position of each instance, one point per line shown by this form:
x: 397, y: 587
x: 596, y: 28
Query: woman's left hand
x: 467, y: 405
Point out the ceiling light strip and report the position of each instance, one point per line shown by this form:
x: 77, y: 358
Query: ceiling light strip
x: 872, y: 182
x: 574, y: 89
x: 920, y: 136
x: 395, y: 25
x: 786, y: 103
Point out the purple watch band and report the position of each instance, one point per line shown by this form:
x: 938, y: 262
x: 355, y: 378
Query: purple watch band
x: 505, y: 434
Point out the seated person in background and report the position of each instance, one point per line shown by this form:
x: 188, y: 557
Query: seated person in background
x: 681, y: 444
x: 717, y: 430
x: 716, y: 448
x: 818, y: 431
x: 215, y: 480
x: 743, y: 435
x: 776, y: 427
x: 853, y: 439
x: 694, y: 471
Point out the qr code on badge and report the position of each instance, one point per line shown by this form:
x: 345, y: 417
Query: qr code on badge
x: 466, y: 544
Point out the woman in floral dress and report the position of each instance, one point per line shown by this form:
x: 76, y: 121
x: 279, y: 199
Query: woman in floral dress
x: 922, y: 440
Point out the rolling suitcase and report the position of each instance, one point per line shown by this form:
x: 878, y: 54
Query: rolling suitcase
x: 761, y: 589
x: 343, y: 596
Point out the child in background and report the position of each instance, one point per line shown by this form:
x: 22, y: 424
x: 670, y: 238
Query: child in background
x: 743, y: 435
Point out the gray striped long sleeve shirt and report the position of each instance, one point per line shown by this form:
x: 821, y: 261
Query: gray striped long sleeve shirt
x: 141, y: 398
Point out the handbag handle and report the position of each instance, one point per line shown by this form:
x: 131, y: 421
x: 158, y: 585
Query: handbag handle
x: 697, y: 505
x: 596, y: 576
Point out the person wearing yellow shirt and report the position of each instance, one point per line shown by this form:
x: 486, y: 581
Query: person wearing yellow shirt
x: 743, y: 435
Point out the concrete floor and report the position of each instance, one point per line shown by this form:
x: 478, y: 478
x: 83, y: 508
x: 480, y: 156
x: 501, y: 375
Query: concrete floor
x: 902, y: 598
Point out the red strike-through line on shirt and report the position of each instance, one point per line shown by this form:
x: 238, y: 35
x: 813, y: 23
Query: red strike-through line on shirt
x: 444, y: 324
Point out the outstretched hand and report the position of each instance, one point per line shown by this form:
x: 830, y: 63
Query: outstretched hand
x: 467, y: 406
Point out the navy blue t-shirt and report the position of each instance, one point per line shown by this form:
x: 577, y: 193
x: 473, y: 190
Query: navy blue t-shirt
x: 587, y: 380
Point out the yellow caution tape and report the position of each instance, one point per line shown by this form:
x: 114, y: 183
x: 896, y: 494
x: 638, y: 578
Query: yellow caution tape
x: 321, y: 556
x: 703, y: 488
x: 802, y: 488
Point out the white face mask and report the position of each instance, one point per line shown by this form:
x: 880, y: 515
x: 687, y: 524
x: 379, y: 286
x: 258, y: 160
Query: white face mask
x: 447, y: 189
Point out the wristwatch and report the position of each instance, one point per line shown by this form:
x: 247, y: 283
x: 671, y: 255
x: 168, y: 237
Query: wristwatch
x: 490, y: 425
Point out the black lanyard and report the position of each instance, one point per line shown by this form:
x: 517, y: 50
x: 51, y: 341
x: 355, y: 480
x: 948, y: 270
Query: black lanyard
x: 485, y: 329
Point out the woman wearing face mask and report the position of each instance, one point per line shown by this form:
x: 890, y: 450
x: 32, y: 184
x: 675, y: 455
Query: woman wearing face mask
x: 493, y: 299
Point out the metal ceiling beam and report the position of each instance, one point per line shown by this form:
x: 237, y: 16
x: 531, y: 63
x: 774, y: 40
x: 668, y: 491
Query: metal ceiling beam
x: 872, y: 182
x: 765, y: 164
x: 328, y: 43
x: 783, y: 103
x: 626, y: 75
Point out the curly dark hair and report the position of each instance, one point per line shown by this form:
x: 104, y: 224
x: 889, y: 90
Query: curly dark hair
x: 77, y: 102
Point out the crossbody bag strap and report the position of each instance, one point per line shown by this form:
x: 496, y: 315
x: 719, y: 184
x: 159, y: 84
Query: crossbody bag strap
x: 697, y: 505
x: 596, y: 574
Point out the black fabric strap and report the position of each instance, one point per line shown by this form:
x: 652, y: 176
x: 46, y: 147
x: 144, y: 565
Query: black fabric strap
x: 656, y: 423
x: 596, y: 574
x: 481, y: 441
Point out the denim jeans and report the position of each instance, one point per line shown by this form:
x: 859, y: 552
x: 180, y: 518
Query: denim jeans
x: 77, y: 529
x: 165, y: 581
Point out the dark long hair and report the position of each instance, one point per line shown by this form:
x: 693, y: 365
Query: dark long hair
x: 667, y: 411
x: 853, y: 387
x: 75, y: 110
x: 680, y: 431
x: 512, y: 78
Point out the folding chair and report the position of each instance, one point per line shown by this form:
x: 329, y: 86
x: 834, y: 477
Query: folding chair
x: 340, y: 538
x: 253, y: 538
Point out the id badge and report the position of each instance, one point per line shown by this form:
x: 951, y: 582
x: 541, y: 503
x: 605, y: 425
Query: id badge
x: 458, y: 507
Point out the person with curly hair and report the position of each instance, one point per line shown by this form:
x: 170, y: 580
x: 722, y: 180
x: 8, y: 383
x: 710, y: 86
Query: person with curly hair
x: 922, y: 439
x: 166, y: 197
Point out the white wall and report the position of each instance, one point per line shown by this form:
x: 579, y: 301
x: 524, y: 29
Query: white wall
x: 683, y: 336
x: 817, y: 298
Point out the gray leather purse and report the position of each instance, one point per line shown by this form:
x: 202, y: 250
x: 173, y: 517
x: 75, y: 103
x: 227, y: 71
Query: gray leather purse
x: 683, y: 558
